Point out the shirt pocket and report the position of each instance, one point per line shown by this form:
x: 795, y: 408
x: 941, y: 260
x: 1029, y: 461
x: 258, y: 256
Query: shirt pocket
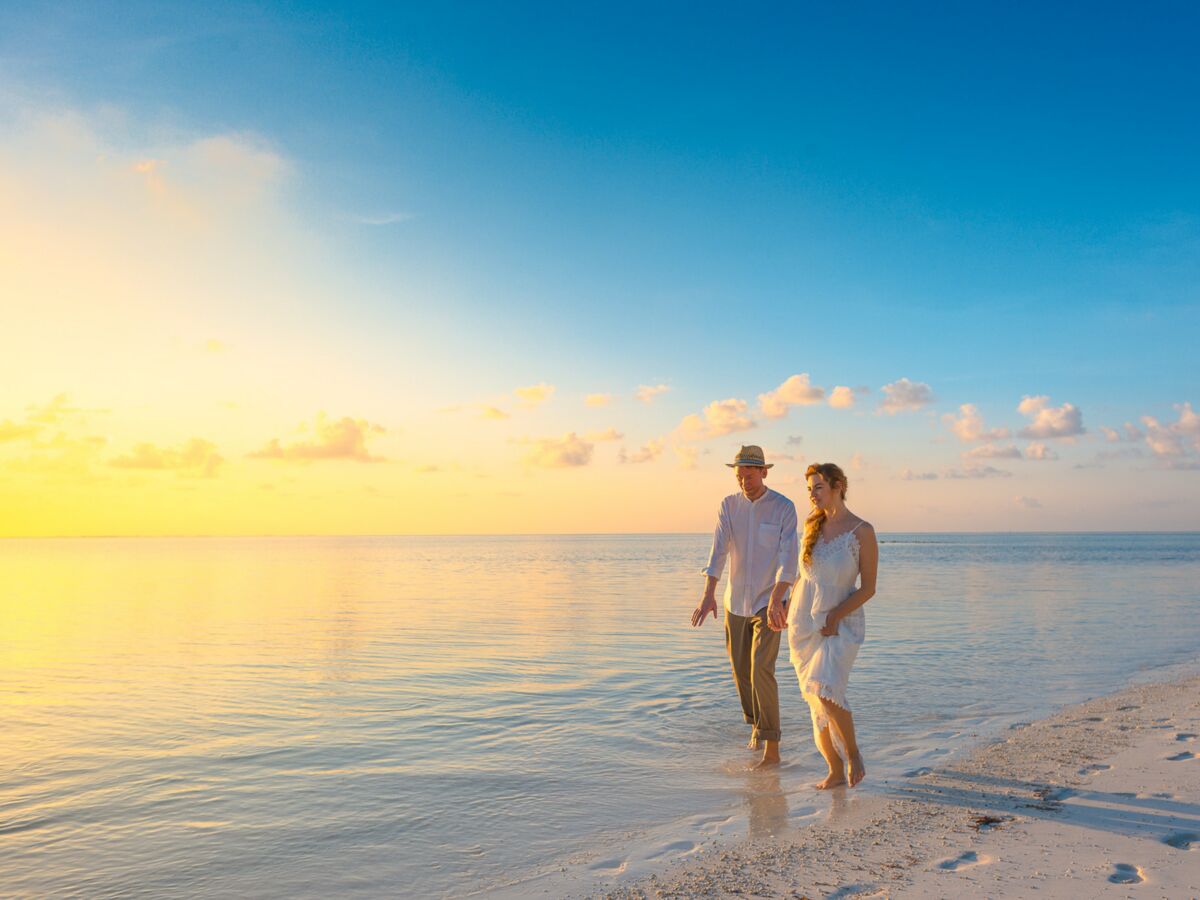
x: 768, y: 534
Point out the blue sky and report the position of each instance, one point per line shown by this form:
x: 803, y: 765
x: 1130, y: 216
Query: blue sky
x: 996, y: 200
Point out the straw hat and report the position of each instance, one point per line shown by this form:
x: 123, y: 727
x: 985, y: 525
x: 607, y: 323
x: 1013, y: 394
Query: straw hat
x: 750, y: 455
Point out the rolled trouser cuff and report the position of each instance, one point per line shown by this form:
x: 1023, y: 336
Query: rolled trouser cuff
x: 764, y: 735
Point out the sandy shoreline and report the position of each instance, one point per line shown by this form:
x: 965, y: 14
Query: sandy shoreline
x: 1099, y: 799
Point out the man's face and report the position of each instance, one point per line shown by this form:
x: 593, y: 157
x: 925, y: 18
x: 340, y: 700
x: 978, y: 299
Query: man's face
x: 750, y: 480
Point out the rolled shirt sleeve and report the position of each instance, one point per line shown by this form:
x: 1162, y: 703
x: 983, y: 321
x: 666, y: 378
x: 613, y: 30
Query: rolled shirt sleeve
x: 789, y: 548
x: 720, y: 545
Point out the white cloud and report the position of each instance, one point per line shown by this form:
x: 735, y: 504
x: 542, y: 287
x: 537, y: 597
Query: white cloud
x: 905, y: 396
x: 568, y: 451
x: 968, y: 426
x: 387, y: 218
x: 857, y: 463
x: 841, y: 397
x: 609, y: 434
x: 646, y: 393
x: 1049, y: 421
x: 1129, y: 432
x: 795, y: 440
x: 534, y: 394
x: 910, y: 475
x: 197, y: 456
x: 345, y: 438
x: 686, y: 455
x: 796, y: 391
x: 1040, y: 452
x: 597, y: 400
x: 648, y: 452
x: 1027, y: 502
x: 991, y: 451
x: 977, y: 472
x: 719, y: 418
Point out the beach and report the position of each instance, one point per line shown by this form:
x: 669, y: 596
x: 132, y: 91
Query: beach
x: 1100, y: 799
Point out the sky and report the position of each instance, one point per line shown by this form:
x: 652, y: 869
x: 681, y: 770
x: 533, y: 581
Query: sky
x: 534, y: 268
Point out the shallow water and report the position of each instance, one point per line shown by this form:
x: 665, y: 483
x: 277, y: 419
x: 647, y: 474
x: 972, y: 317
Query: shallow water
x: 440, y: 716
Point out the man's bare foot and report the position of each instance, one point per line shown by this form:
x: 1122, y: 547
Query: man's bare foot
x: 770, y: 755
x: 832, y: 780
x: 857, y: 770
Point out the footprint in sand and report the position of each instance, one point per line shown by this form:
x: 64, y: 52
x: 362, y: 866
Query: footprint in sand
x: 1185, y: 736
x: 1127, y: 708
x: 964, y: 860
x: 1092, y: 719
x: 1179, y: 757
x: 917, y: 773
x: 1093, y: 768
x: 1183, y: 840
x: 1126, y: 874
x: 1061, y: 794
x: 677, y: 848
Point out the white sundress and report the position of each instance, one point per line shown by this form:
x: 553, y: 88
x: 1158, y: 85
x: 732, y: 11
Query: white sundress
x: 823, y: 663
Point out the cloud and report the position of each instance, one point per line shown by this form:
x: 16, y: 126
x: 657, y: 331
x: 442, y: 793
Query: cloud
x: 55, y: 411
x: 794, y: 440
x: 609, y: 434
x: 910, y: 475
x: 796, y: 391
x: 212, y: 345
x: 686, y: 455
x: 646, y: 393
x: 492, y: 412
x: 11, y: 431
x: 719, y: 418
x: 841, y: 397
x: 991, y: 451
x: 648, y: 452
x: 534, y: 394
x: 1130, y: 432
x: 1040, y: 452
x: 968, y: 426
x: 597, y: 399
x: 1048, y: 421
x: 976, y: 472
x: 857, y: 463
x: 197, y: 456
x: 345, y: 438
x: 905, y: 396
x: 1027, y: 502
x: 568, y: 451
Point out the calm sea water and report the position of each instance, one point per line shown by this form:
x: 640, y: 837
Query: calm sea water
x: 446, y: 716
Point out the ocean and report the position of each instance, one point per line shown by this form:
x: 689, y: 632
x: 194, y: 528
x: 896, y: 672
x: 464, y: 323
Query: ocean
x: 448, y: 716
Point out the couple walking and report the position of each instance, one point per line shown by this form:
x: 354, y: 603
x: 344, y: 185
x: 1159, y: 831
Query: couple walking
x: 836, y: 560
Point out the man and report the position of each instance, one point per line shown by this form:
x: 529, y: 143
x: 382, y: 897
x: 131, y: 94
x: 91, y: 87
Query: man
x: 756, y: 530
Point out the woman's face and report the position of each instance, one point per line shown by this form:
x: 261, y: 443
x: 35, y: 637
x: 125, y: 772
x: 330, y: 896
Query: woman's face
x: 819, y: 491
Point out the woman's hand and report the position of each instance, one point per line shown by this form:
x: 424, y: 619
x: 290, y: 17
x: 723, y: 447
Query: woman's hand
x: 830, y: 628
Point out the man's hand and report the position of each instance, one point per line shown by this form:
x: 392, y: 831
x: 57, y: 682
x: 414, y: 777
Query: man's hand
x: 707, y: 605
x: 776, y: 615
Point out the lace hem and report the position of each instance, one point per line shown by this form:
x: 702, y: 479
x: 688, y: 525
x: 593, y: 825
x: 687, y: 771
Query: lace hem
x: 825, y: 692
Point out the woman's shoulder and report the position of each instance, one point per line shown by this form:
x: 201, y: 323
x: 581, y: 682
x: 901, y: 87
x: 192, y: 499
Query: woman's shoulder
x: 864, y: 528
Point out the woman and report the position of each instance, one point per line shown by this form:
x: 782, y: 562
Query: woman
x: 826, y: 624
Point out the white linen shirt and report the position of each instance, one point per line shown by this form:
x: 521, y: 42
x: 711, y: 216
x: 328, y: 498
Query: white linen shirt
x: 759, y: 538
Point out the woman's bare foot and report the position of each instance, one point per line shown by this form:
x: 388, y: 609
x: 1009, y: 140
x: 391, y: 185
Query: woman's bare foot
x: 832, y: 780
x: 857, y: 770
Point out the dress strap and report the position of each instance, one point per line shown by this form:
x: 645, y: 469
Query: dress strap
x: 858, y: 526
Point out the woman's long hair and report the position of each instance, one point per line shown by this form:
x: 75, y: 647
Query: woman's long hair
x: 835, y: 478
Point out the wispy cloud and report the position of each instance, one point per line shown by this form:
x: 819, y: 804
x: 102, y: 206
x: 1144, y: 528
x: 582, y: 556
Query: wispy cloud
x: 910, y: 475
x: 1040, y: 452
x: 841, y: 397
x: 568, y: 451
x: 991, y: 451
x: 646, y: 392
x: 905, y: 396
x: 387, y: 218
x: 795, y: 391
x: 1049, y: 421
x: 1027, y: 502
x: 976, y: 472
x: 534, y: 394
x: 597, y: 400
x: 648, y: 452
x: 344, y: 438
x: 609, y: 434
x: 12, y: 431
x: 197, y: 456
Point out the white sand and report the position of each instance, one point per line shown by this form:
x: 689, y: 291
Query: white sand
x: 1100, y: 800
